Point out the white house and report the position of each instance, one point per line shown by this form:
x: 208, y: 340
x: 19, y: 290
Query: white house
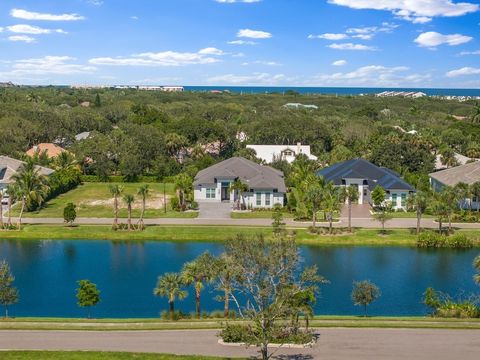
x: 266, y: 185
x: 270, y: 153
x: 367, y: 176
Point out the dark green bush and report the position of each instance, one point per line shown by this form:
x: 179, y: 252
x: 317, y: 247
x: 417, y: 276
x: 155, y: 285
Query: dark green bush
x: 430, y: 239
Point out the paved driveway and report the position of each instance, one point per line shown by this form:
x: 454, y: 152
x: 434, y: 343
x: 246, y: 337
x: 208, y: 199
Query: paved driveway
x: 333, y: 343
x: 358, y: 211
x: 209, y: 210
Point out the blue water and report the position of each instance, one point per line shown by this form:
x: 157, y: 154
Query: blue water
x: 333, y: 90
x: 46, y: 274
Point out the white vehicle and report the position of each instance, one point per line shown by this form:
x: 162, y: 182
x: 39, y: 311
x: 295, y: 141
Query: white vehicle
x: 5, y: 200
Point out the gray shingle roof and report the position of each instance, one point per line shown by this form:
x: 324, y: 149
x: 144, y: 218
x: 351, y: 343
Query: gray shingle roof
x: 9, y: 166
x: 363, y: 169
x: 468, y: 174
x: 254, y: 175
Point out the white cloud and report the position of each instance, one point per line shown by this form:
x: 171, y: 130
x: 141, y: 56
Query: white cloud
x: 463, y: 72
x: 254, y: 79
x: 253, y: 34
x: 329, y: 36
x: 29, y: 15
x: 134, y: 17
x: 417, y: 11
x: 476, y: 52
x: 32, y: 30
x: 432, y: 39
x: 374, y: 75
x: 48, y: 65
x: 351, y: 46
x: 165, y: 58
x: 339, y: 63
x: 262, y: 62
x: 242, y: 42
x: 22, y: 38
x: 95, y: 2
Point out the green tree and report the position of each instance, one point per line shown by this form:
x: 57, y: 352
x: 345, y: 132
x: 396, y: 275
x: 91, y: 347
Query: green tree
x: 87, y: 295
x: 378, y: 196
x: 224, y: 275
x: 364, y: 293
x: 419, y: 201
x: 170, y: 285
x: 184, y: 188
x: 440, y: 209
x: 30, y: 187
x: 476, y: 265
x: 8, y: 293
x: 269, y: 281
x: 332, y: 203
x: 143, y: 192
x: 197, y: 273
x: 350, y: 194
x: 431, y: 299
x: 98, y: 101
x: 315, y: 194
x: 476, y: 193
x: 69, y: 213
x: 239, y: 187
x: 129, y: 199
x: 278, y: 225
x: 448, y: 157
x: 115, y: 190
x: 65, y: 161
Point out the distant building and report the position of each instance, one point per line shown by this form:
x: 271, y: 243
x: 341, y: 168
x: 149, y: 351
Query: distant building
x: 266, y: 185
x: 468, y: 174
x: 10, y: 166
x: 51, y: 150
x: 271, y: 153
x: 300, y: 106
x: 461, y: 160
x: 405, y: 94
x: 82, y: 136
x: 173, y: 88
x: 366, y: 177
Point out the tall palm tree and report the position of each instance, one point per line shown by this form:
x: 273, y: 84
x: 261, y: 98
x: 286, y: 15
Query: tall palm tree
x: 419, y: 201
x: 197, y: 273
x: 331, y: 203
x: 224, y: 273
x: 314, y: 194
x: 170, y: 285
x: 65, y: 161
x: 239, y: 188
x: 184, y: 187
x: 143, y: 192
x: 31, y: 187
x: 350, y: 194
x: 12, y: 192
x: 115, y: 190
x: 476, y: 193
x: 128, y: 199
x: 448, y: 158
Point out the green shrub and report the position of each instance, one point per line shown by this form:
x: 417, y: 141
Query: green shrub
x: 175, y: 203
x: 239, y: 333
x: 430, y: 239
x: 442, y: 305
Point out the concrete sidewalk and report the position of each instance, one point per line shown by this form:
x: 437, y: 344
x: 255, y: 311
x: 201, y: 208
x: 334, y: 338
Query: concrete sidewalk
x: 333, y: 343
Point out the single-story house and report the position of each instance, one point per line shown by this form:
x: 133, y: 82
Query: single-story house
x: 271, y: 153
x: 10, y: 166
x: 51, y: 150
x: 266, y: 185
x: 468, y: 173
x: 367, y: 176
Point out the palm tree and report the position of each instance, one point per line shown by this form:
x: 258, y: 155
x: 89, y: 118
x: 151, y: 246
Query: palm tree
x: 440, y: 209
x: 115, y: 190
x: 1, y: 210
x: 476, y: 193
x: 476, y: 264
x: 239, y: 188
x: 183, y: 186
x: 448, y: 158
x: 350, y: 194
x: 314, y: 194
x: 65, y: 161
x: 225, y: 276
x: 128, y: 199
x: 419, y: 202
x: 198, y: 272
x: 331, y: 203
x: 170, y: 286
x: 12, y: 192
x: 143, y: 192
x: 31, y: 187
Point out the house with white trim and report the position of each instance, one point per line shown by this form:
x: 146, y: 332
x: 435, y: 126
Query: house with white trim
x: 266, y: 185
x: 271, y: 153
x: 366, y: 177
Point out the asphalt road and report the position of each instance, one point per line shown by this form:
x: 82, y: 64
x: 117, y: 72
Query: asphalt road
x: 333, y: 343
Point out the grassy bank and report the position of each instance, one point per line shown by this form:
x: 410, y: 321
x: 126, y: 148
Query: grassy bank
x: 157, y: 324
x: 94, y: 355
x: 361, y: 237
x: 94, y: 200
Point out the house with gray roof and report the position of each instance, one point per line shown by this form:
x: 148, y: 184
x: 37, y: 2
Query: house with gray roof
x: 10, y: 166
x: 367, y: 176
x: 266, y: 185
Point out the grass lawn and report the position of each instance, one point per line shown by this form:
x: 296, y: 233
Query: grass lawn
x: 93, y: 355
x: 94, y: 200
x: 410, y: 215
x: 321, y: 321
x: 258, y: 215
x: 361, y: 237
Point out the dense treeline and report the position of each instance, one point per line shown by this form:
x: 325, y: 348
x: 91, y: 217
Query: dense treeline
x: 136, y: 133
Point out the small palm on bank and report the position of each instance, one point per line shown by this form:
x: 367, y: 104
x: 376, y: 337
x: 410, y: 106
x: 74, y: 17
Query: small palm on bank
x: 170, y: 286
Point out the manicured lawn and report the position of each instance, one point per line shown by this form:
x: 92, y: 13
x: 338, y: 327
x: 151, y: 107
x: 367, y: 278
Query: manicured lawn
x: 410, y: 215
x: 361, y: 237
x: 258, y: 215
x: 93, y: 355
x: 94, y: 200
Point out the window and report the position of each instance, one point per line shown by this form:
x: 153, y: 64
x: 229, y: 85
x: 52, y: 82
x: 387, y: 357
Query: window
x: 288, y: 153
x: 259, y: 198
x: 394, y: 199
x: 211, y: 193
x: 267, y: 199
x: 404, y: 200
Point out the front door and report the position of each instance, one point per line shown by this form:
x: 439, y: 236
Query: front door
x: 226, y: 191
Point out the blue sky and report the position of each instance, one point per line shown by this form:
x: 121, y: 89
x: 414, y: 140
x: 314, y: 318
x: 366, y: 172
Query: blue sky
x: 390, y: 43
